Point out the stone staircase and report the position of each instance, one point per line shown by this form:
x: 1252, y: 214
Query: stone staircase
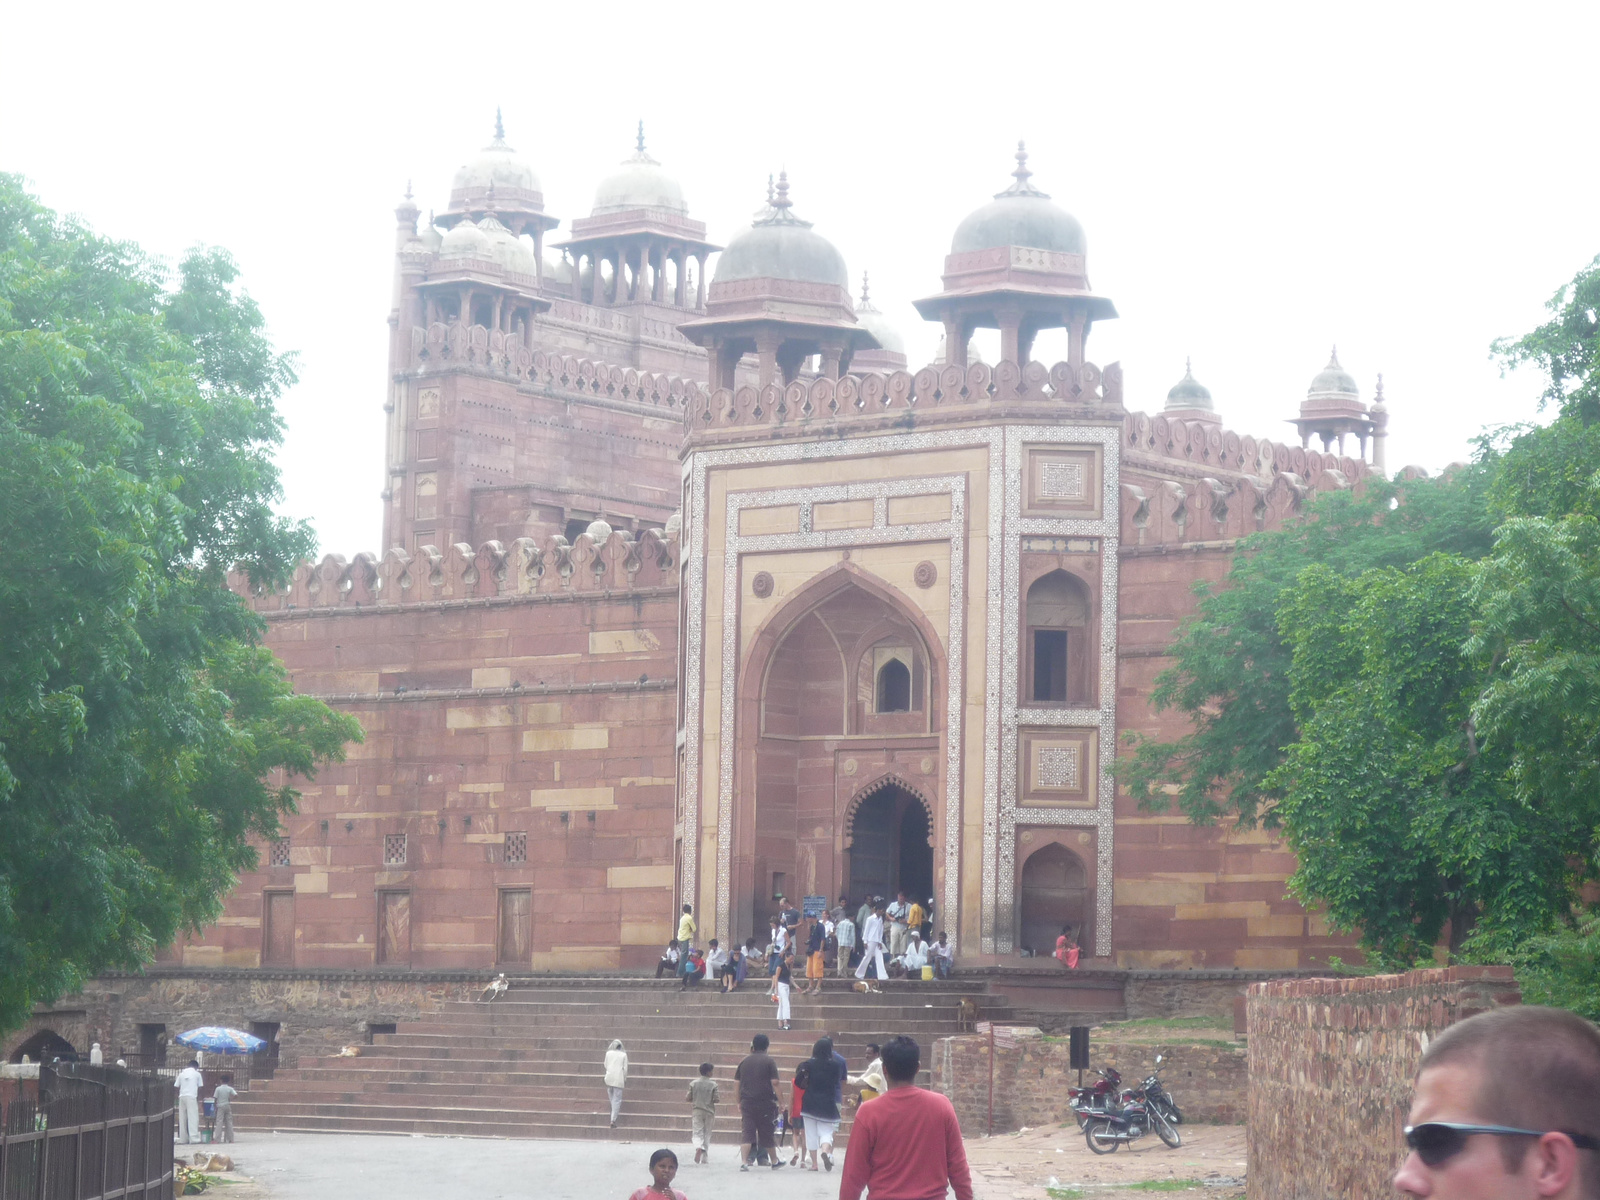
x: 530, y: 1064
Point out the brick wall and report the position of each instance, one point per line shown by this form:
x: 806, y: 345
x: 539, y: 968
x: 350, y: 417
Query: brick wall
x: 1331, y: 1064
x: 1031, y: 1077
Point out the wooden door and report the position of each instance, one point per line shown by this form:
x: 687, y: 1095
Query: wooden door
x: 516, y: 926
x: 394, y: 927
x: 277, y: 935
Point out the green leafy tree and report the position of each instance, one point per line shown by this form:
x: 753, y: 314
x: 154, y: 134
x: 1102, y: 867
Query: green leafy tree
x: 146, y: 735
x: 1230, y: 672
x: 1410, y: 688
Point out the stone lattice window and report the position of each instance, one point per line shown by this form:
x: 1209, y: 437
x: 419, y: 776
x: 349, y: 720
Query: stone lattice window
x: 1061, y: 480
x: 1058, y: 767
x: 278, y: 856
x: 516, y: 847
x: 394, y: 849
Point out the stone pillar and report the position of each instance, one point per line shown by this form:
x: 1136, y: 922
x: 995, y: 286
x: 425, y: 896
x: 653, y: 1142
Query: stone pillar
x: 1010, y: 320
x: 767, y: 343
x: 955, y: 341
x: 700, y: 281
x: 832, y: 352
x: 1077, y: 335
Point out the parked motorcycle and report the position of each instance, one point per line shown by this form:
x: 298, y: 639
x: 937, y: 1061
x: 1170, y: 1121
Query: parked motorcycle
x: 1130, y: 1120
x: 1102, y: 1097
x: 1153, y: 1093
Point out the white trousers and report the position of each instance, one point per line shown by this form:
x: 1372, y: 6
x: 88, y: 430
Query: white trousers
x: 188, y: 1119
x: 870, y: 952
x: 783, y: 1002
x: 616, y: 1102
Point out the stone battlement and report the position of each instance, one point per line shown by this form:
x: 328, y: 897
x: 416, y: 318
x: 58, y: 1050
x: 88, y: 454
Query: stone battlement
x: 527, y: 568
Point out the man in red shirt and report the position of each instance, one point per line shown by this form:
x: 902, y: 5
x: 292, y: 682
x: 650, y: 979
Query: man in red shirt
x: 906, y: 1144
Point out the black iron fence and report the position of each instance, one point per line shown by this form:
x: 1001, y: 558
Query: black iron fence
x: 94, y: 1133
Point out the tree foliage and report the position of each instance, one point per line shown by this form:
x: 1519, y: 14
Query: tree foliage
x: 140, y: 717
x: 1407, y: 682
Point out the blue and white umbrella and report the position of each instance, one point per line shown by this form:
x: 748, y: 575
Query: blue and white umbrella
x: 219, y: 1040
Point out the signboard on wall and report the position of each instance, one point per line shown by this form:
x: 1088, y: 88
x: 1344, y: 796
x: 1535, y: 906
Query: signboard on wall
x: 814, y: 906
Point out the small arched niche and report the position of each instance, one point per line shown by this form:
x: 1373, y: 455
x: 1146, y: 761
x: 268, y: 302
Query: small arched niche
x: 1058, y: 650
x: 1053, y: 894
x: 893, y: 691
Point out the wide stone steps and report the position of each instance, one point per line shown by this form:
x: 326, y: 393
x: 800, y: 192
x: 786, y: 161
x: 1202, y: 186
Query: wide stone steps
x: 531, y: 1063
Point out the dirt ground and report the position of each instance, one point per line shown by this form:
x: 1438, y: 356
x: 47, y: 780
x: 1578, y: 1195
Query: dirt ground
x: 1020, y: 1166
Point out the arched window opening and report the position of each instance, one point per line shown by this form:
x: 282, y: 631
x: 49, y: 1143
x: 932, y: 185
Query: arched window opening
x: 894, y: 687
x: 1058, y: 644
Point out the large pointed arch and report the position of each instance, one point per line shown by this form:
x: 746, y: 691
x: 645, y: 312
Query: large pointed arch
x: 887, y: 779
x: 764, y: 784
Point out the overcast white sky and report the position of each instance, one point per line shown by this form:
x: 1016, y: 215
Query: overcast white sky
x: 1257, y: 181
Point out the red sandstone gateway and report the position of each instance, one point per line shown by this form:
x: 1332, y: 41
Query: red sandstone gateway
x: 691, y: 592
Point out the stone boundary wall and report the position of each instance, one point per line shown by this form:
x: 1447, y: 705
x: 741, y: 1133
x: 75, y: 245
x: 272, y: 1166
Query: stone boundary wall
x: 1331, y: 1065
x: 1031, y: 1077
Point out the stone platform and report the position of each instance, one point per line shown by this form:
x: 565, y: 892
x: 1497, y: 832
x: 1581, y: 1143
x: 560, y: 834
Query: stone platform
x: 530, y: 1065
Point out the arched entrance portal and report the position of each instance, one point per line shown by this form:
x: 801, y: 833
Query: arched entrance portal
x: 1054, y: 893
x: 45, y: 1046
x: 890, y: 848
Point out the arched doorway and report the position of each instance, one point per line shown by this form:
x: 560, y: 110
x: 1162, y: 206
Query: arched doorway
x: 44, y: 1046
x: 1054, y: 893
x: 890, y: 847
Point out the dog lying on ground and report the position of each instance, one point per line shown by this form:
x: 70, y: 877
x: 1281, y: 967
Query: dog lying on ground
x: 497, y: 988
x: 968, y: 1014
x: 213, y: 1162
x: 349, y: 1052
x: 867, y: 988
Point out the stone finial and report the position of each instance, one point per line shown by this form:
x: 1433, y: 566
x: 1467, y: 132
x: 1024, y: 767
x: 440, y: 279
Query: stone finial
x: 408, y: 189
x: 499, y: 126
x: 782, y: 203
x: 640, y: 146
x: 863, y: 289
x: 1020, y: 185
x: 769, y: 191
x: 1377, y: 394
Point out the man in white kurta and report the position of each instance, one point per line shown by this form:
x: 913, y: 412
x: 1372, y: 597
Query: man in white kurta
x: 872, y: 945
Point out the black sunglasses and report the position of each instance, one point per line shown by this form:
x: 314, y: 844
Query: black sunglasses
x: 1438, y: 1141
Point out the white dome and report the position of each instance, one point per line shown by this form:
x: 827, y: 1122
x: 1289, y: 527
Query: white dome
x: 558, y: 270
x: 465, y: 240
x: 639, y: 183
x: 598, y: 530
x: 496, y: 164
x: 507, y: 249
x: 878, y: 325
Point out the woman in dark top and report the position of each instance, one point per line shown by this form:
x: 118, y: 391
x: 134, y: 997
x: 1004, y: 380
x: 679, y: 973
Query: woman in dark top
x: 818, y: 1106
x: 780, y: 989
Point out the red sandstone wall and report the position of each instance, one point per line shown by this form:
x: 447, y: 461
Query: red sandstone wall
x: 1031, y: 1078
x: 1331, y: 1064
x: 483, y: 717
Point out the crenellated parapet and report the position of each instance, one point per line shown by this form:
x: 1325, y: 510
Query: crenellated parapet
x: 1207, y: 444
x: 454, y: 346
x: 946, y: 389
x: 527, y: 568
x: 1212, y: 513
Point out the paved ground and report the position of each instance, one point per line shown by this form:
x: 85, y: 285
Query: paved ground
x: 313, y: 1166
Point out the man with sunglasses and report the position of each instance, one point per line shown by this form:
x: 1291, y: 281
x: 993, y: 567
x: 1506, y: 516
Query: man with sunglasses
x: 1507, y: 1107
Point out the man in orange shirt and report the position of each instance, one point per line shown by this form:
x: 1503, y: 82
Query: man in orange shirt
x: 906, y: 1144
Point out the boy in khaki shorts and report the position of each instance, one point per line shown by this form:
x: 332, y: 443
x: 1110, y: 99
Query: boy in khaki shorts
x: 703, y: 1097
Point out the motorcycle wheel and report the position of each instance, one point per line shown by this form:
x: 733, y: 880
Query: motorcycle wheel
x: 1099, y: 1146
x: 1165, y: 1129
x: 1174, y: 1113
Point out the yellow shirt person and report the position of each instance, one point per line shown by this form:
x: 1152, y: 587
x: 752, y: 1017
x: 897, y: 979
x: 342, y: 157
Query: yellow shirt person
x: 686, y: 927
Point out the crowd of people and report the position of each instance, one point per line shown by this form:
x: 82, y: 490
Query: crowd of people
x: 882, y: 940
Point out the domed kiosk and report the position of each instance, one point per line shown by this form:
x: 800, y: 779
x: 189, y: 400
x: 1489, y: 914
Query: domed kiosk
x: 782, y: 292
x: 1333, y: 408
x: 1190, y: 400
x: 641, y: 229
x: 1017, y: 265
x: 891, y: 352
x: 497, y: 179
